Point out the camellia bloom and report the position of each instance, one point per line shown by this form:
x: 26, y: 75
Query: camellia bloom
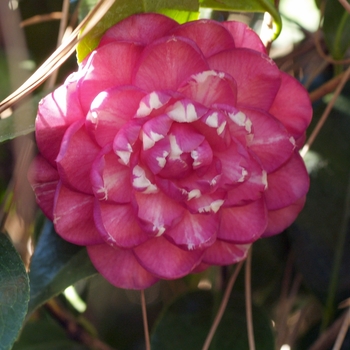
x: 173, y: 148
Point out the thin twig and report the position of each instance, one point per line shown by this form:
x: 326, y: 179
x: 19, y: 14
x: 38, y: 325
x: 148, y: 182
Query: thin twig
x: 343, y: 330
x: 345, y: 4
x: 48, y: 17
x: 248, y: 301
x: 222, y: 306
x: 145, y: 322
x: 325, y: 114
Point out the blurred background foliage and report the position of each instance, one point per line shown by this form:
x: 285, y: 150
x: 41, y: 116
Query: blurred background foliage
x: 300, y: 279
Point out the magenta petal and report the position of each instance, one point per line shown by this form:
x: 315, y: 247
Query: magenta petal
x: 109, y: 66
x: 120, y: 267
x: 43, y: 179
x: 167, y: 63
x: 141, y: 28
x: 244, y: 224
x: 165, y: 260
x: 211, y: 87
x: 194, y: 231
x: 271, y: 142
x: 56, y: 112
x: 244, y: 36
x: 292, y: 106
x: 257, y: 76
x: 73, y: 217
x: 76, y: 156
x: 157, y: 212
x: 280, y: 219
x: 287, y: 184
x: 118, y: 225
x: 110, y: 180
x: 224, y: 253
x: 110, y: 110
x: 210, y: 36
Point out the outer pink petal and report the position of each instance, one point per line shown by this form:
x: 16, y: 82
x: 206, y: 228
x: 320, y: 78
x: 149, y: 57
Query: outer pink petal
x: 243, y: 224
x: 210, y: 36
x: 287, y: 184
x: 43, y: 179
x: 167, y: 63
x: 110, y: 180
x: 224, y: 253
x: 108, y: 66
x: 120, y: 267
x: 194, y: 231
x: 292, y: 106
x: 76, y: 156
x: 280, y: 219
x: 73, y: 217
x: 244, y: 36
x: 141, y: 28
x: 56, y: 112
x: 118, y: 225
x: 111, y: 110
x: 157, y: 212
x: 211, y: 88
x: 271, y: 142
x: 165, y: 260
x: 257, y: 76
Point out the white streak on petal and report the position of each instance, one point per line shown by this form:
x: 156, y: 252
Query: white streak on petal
x: 244, y: 175
x: 124, y: 157
x: 194, y: 156
x: 221, y: 128
x: 175, y: 150
x: 241, y: 119
x: 213, y: 120
x: 194, y: 194
x: 140, y: 181
x: 153, y: 103
x: 183, y: 112
x: 162, y: 160
x: 213, y: 207
x: 292, y: 140
x: 264, y: 179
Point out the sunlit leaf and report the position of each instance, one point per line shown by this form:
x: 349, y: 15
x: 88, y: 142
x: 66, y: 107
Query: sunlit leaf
x: 247, y: 6
x: 55, y: 265
x: 14, y: 293
x: 124, y: 8
x: 185, y: 324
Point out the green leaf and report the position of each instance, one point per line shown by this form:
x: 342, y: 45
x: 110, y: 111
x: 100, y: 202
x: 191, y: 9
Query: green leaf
x: 124, y: 8
x: 186, y: 322
x: 247, y: 6
x: 55, y: 265
x: 336, y: 28
x: 43, y: 333
x: 14, y: 293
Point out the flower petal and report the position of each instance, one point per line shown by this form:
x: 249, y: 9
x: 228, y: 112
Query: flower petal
x: 194, y: 231
x: 280, y: 219
x: 224, y: 253
x: 292, y: 106
x: 211, y: 88
x: 287, y: 184
x: 56, y: 112
x: 166, y: 63
x: 73, y: 217
x: 210, y: 36
x: 43, y: 179
x: 110, y: 110
x: 109, y: 66
x: 141, y: 28
x: 120, y: 267
x: 157, y: 212
x: 257, y: 76
x: 118, y: 225
x: 244, y: 36
x: 243, y: 224
x: 76, y: 156
x: 110, y: 180
x: 271, y: 142
x: 165, y: 260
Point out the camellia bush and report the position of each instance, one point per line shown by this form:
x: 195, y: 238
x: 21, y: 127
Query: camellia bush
x: 170, y: 151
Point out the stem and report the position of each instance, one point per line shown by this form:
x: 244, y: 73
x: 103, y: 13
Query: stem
x: 222, y: 306
x: 248, y: 301
x: 145, y: 323
x: 339, y: 251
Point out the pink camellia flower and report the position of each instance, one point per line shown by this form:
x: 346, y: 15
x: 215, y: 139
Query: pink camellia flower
x: 173, y: 148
